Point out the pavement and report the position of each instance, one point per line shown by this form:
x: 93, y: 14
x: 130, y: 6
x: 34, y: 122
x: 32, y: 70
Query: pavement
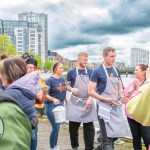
x: 63, y: 139
x: 44, y: 129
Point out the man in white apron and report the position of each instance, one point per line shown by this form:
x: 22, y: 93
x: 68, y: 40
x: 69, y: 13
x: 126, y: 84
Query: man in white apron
x: 80, y: 107
x: 105, y: 85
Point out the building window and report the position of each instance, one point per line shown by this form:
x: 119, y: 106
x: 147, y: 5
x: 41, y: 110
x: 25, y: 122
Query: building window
x: 19, y: 34
x: 19, y: 30
x: 32, y: 35
x: 19, y: 45
x: 32, y: 46
x: 19, y: 42
x: 19, y: 49
x: 32, y: 42
x: 32, y: 31
x: 19, y: 38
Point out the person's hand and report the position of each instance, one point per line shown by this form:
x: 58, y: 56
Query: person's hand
x: 39, y: 95
x: 56, y: 101
x: 123, y: 100
x: 112, y: 102
x: 89, y: 103
x: 74, y: 90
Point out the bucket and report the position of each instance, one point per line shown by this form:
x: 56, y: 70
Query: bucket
x: 59, y: 114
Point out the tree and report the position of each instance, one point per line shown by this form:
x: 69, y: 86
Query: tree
x: 39, y: 60
x: 6, y: 46
x: 48, y: 65
x: 65, y: 68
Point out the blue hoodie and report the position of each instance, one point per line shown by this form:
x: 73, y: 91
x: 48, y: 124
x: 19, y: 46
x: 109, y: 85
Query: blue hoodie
x: 1, y: 86
x: 25, y: 90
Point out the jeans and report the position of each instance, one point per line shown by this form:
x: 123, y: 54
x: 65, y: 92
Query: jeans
x: 107, y: 142
x: 34, y: 139
x: 138, y: 131
x: 88, y: 131
x: 55, y: 126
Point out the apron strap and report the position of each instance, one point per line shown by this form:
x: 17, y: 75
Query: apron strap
x: 77, y: 72
x: 115, y: 71
x: 107, y: 72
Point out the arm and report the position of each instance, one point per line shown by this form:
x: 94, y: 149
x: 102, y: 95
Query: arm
x: 91, y: 91
x: 70, y: 79
x: 120, y: 89
x: 129, y: 90
x: 89, y: 103
x: 69, y: 88
x: 122, y: 98
x: 54, y: 100
x: 39, y: 95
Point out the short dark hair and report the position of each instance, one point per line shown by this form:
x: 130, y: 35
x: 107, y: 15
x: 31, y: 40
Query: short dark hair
x: 107, y: 50
x: 29, y: 59
x: 13, y: 68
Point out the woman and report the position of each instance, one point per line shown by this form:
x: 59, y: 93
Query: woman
x: 57, y: 94
x: 134, y: 89
x: 2, y: 56
x: 23, y: 88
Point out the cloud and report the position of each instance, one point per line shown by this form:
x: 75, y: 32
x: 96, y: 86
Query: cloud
x: 89, y: 25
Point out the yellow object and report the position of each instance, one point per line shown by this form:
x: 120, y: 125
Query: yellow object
x: 139, y: 106
x: 39, y: 105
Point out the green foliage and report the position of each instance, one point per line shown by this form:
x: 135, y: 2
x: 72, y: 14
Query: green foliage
x: 66, y: 68
x: 39, y: 60
x: 6, y: 46
x: 48, y: 65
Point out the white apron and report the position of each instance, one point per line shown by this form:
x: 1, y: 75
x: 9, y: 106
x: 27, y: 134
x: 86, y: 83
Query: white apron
x: 76, y: 107
x: 114, y: 117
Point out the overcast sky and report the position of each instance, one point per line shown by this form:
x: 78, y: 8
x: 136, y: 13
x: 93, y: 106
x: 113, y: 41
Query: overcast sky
x: 89, y: 25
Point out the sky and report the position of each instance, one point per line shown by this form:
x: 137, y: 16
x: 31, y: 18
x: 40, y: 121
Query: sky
x: 89, y: 25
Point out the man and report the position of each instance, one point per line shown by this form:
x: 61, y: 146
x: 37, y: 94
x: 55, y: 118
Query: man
x: 105, y: 85
x: 80, y: 108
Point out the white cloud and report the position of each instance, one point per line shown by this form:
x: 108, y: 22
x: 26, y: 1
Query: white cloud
x: 76, y: 25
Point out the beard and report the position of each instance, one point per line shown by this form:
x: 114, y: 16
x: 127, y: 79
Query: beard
x: 82, y: 65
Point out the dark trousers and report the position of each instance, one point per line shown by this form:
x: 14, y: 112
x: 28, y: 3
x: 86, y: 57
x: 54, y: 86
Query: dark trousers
x: 107, y: 143
x: 138, y: 131
x: 88, y: 133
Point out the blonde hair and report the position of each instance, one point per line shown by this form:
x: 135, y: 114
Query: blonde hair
x: 83, y: 54
x: 13, y: 68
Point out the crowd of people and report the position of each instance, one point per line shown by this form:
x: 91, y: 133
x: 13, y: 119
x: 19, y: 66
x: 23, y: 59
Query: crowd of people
x: 23, y: 100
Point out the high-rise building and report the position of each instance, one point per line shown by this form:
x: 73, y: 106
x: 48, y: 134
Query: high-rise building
x: 139, y: 56
x: 28, y: 33
x: 42, y: 20
x: 25, y: 35
x: 1, y: 26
